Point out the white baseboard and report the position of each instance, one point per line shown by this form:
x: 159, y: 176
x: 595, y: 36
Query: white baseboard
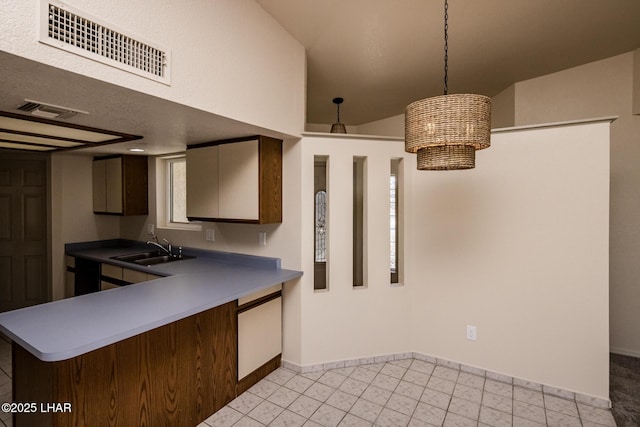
x: 597, y: 402
x: 624, y: 352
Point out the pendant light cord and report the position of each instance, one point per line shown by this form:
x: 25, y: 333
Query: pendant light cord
x: 446, y: 46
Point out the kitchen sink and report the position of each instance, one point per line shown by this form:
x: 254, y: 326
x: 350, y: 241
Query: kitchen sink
x: 149, y: 258
x: 137, y: 256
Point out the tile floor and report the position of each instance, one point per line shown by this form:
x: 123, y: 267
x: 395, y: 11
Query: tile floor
x: 5, y: 380
x: 400, y: 393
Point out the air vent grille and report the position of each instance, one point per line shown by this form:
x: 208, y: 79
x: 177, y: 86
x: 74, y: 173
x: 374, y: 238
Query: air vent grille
x: 48, y: 111
x: 85, y: 35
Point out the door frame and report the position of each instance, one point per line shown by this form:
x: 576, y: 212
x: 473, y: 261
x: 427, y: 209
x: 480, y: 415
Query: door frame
x: 22, y: 155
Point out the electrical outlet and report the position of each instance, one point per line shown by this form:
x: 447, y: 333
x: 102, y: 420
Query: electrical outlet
x: 151, y: 229
x: 262, y: 238
x: 210, y: 235
x: 472, y: 333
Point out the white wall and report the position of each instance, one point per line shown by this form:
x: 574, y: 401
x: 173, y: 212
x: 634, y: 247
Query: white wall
x: 72, y: 218
x: 343, y: 322
x: 517, y: 247
x: 229, y: 57
x: 603, y: 88
x: 610, y: 87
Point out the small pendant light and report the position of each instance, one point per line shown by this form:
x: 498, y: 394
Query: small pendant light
x: 445, y: 131
x: 338, y: 127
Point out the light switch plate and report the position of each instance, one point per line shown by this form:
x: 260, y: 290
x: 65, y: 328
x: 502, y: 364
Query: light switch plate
x: 472, y: 333
x: 210, y: 235
x: 262, y: 238
x: 151, y: 229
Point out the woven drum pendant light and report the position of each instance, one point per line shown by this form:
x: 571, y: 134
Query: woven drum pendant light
x: 445, y: 131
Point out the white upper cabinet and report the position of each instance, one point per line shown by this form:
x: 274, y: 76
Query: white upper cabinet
x: 114, y: 190
x: 238, y: 167
x: 202, y: 182
x: 235, y: 181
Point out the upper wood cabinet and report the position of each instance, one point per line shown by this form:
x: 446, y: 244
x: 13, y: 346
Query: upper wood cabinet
x: 120, y: 185
x: 236, y: 180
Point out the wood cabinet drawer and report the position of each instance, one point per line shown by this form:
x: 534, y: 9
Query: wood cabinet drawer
x: 112, y: 271
x: 259, y: 294
x: 124, y: 276
x: 133, y: 276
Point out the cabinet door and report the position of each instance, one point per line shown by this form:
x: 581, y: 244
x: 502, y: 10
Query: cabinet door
x: 134, y: 276
x: 112, y: 271
x: 99, y: 186
x: 259, y: 336
x: 239, y: 181
x: 202, y: 182
x: 114, y: 185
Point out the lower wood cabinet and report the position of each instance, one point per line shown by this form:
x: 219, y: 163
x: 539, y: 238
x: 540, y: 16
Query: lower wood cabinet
x: 174, y: 375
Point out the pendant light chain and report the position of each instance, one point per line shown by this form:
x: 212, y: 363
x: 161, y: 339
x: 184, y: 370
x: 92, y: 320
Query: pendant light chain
x: 445, y: 131
x: 446, y: 46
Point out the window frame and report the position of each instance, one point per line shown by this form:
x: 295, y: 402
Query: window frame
x: 164, y: 195
x: 395, y: 223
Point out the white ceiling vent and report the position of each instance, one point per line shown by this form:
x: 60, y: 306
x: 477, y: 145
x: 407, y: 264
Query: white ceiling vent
x: 48, y: 111
x: 70, y: 29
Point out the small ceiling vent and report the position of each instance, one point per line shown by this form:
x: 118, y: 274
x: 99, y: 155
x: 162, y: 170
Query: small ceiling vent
x: 70, y: 29
x: 48, y: 111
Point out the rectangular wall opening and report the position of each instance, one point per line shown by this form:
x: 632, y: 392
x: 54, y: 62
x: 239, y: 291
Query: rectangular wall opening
x: 359, y: 237
x: 395, y: 223
x: 320, y: 224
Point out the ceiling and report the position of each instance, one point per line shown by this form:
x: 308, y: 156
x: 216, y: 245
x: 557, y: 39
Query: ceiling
x: 380, y: 55
x: 166, y: 127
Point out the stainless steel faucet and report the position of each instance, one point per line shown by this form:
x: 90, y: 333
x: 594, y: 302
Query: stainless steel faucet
x: 167, y: 249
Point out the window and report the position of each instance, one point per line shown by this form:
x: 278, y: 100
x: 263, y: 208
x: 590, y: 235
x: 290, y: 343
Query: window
x: 320, y: 224
x: 171, y: 193
x: 394, y: 225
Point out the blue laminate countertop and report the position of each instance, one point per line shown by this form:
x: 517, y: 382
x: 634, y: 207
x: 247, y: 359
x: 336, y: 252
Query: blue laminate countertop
x: 70, y: 327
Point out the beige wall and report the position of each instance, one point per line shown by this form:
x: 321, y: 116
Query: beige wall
x: 517, y: 248
x: 610, y: 87
x: 603, y: 88
x: 343, y: 322
x: 503, y: 108
x: 229, y: 58
x: 72, y: 218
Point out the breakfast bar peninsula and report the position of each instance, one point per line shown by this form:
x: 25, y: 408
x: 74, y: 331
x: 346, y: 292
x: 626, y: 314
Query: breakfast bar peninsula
x: 168, y: 351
